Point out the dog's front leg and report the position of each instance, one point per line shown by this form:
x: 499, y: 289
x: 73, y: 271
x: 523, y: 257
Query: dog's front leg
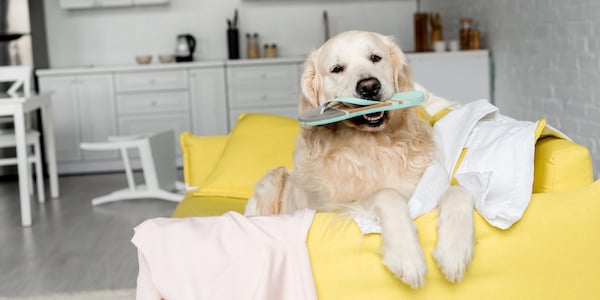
x: 401, y: 251
x: 456, y: 233
x: 269, y: 193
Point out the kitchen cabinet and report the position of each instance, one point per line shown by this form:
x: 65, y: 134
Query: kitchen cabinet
x: 83, y: 108
x: 80, y: 4
x: 263, y: 88
x: 208, y: 101
x: 86, y: 4
x: 461, y: 76
x: 152, y: 101
x: 91, y: 104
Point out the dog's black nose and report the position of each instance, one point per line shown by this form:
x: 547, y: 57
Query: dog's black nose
x: 368, y: 88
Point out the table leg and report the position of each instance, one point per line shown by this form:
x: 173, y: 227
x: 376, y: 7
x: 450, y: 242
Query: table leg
x: 50, y: 146
x: 19, y: 122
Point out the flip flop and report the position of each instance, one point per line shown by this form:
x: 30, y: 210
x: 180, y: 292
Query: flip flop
x: 331, y: 111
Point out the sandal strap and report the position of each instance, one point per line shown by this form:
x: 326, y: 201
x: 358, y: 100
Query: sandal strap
x: 409, y: 98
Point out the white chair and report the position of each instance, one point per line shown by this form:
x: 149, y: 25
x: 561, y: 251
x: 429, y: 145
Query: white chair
x: 21, y: 78
x: 157, y: 157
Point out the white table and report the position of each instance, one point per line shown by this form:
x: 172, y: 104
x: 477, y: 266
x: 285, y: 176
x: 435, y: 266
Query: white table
x: 17, y: 108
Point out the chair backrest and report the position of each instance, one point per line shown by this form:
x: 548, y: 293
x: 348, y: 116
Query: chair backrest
x: 20, y: 76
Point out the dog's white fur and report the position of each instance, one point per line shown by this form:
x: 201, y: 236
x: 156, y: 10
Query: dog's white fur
x: 374, y: 168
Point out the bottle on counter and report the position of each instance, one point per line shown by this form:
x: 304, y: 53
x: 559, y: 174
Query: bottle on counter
x: 474, y: 38
x: 465, y: 29
x: 252, y: 47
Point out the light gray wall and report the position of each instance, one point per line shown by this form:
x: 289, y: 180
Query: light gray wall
x: 547, y: 59
x: 115, y: 35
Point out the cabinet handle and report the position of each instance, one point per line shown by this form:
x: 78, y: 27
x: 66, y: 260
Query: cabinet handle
x: 151, y: 81
x: 153, y: 103
x: 263, y: 76
x: 264, y: 98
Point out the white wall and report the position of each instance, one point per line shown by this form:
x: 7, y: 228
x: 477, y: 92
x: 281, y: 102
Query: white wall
x: 115, y: 35
x: 547, y: 59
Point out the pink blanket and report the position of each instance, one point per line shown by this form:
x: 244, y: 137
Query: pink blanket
x: 225, y: 257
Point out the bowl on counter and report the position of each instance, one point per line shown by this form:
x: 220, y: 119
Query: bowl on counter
x: 143, y: 59
x: 166, y: 58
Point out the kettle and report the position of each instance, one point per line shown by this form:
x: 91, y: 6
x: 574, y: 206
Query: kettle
x: 184, y: 49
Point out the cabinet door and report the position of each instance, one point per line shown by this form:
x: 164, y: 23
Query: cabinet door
x: 208, y: 101
x: 262, y: 86
x: 96, y: 106
x: 65, y: 108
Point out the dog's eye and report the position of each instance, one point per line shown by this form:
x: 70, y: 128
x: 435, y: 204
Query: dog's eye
x: 337, y: 69
x: 375, y: 58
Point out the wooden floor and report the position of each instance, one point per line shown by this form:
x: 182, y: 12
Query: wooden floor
x: 72, y: 246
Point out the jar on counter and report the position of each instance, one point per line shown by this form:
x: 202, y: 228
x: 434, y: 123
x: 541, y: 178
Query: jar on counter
x: 271, y: 50
x: 465, y: 29
x: 474, y: 39
x: 252, y: 50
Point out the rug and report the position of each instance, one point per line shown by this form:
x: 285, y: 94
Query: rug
x: 127, y: 294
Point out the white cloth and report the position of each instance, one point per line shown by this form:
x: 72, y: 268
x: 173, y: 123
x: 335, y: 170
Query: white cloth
x: 497, y: 168
x: 225, y: 257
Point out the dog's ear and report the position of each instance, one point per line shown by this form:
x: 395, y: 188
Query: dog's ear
x: 403, y: 80
x: 310, y: 84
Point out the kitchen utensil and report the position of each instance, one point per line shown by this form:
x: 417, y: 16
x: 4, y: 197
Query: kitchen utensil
x: 185, y: 47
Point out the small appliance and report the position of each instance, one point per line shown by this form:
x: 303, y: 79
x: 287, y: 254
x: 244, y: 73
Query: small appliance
x: 184, y: 50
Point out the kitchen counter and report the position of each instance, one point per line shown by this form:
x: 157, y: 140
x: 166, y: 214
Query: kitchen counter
x: 237, y: 62
x: 120, y: 68
x: 170, y: 66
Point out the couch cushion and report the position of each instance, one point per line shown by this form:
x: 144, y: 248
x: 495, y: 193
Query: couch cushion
x: 561, y: 165
x: 199, y: 206
x: 257, y: 143
x: 200, y: 155
x: 553, y: 252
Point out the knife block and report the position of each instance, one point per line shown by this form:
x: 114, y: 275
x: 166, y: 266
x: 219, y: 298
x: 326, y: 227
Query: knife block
x: 233, y: 43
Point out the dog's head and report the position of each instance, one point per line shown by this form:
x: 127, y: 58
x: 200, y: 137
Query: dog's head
x: 356, y: 64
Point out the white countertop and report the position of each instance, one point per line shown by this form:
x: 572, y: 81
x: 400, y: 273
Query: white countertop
x: 221, y: 63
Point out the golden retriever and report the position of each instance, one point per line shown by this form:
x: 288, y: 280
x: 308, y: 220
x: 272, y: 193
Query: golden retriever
x: 373, y: 162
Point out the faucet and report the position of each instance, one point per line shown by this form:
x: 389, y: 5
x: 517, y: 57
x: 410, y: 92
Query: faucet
x: 326, y: 25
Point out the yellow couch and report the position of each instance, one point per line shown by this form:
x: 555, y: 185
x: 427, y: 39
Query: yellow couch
x: 553, y: 252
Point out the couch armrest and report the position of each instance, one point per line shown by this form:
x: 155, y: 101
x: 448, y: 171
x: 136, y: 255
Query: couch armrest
x: 561, y: 165
x: 200, y: 155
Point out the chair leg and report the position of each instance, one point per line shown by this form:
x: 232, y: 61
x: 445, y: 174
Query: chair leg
x: 128, y: 171
x: 30, y: 174
x: 38, y: 172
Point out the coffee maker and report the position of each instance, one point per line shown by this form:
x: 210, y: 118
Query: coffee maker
x: 185, y: 47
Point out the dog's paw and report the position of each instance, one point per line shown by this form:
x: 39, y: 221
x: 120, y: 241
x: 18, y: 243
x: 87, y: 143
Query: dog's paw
x: 407, y: 263
x: 453, y: 256
x: 267, y: 192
